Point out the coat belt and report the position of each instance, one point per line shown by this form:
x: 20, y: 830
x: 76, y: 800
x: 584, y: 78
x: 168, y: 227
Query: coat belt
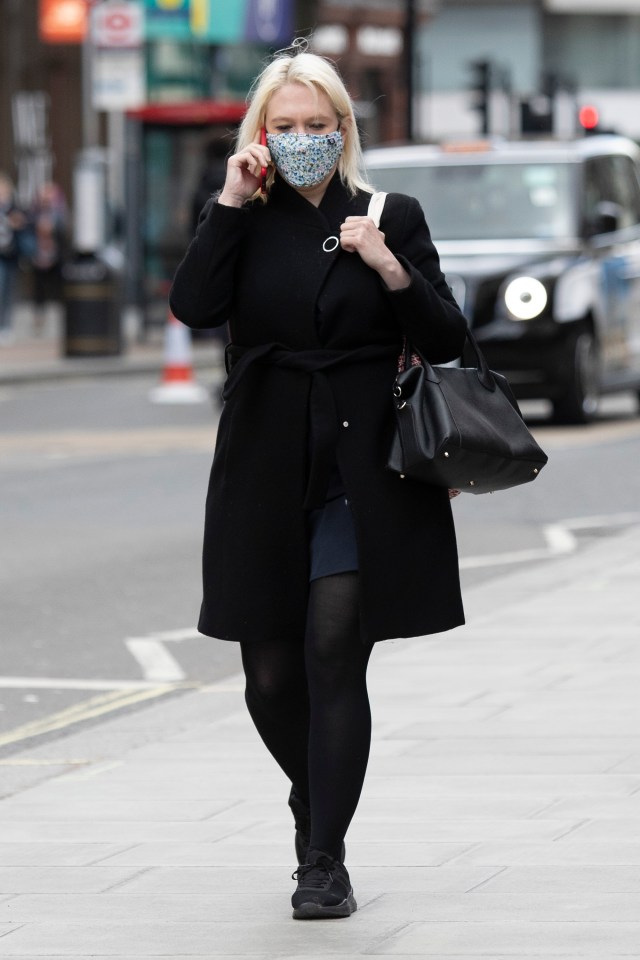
x: 322, y: 414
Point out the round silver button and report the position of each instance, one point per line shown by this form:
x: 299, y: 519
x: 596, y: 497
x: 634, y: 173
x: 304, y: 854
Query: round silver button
x: 331, y: 244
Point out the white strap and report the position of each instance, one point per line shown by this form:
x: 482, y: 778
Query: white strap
x: 376, y: 206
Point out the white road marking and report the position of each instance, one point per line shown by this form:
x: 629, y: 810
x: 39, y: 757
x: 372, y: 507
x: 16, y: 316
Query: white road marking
x: 559, y: 537
x: 187, y: 633
x: 155, y: 661
x: 559, y: 540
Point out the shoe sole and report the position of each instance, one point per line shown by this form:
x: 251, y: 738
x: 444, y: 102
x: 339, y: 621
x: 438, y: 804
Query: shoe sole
x: 319, y: 911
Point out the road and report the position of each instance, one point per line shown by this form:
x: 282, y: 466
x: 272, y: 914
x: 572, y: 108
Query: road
x: 101, y: 507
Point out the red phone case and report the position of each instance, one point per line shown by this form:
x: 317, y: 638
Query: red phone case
x: 263, y: 171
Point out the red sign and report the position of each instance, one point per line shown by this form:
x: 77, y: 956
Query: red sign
x: 63, y: 21
x: 117, y: 23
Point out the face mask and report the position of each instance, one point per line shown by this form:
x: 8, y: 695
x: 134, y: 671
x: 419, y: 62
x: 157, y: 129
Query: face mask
x: 305, y: 159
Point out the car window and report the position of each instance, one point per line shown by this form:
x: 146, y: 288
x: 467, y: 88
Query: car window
x: 489, y: 201
x: 595, y: 188
x: 626, y: 190
x: 612, y: 179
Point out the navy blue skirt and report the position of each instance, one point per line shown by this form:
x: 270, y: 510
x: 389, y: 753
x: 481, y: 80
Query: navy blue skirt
x: 333, y: 547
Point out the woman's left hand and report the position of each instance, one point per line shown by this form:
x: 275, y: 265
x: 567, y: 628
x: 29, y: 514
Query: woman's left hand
x: 360, y: 235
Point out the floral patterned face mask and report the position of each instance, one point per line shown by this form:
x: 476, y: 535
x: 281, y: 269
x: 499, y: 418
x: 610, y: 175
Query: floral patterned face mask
x: 305, y: 159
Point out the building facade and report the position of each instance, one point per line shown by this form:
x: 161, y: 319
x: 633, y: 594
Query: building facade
x: 40, y: 100
x: 590, y: 48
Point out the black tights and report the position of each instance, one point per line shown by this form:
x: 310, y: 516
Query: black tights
x: 310, y: 706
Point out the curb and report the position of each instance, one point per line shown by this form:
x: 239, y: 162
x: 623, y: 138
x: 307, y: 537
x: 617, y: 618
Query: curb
x: 66, y: 369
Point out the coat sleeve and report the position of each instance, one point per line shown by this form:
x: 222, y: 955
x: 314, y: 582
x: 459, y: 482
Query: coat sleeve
x: 202, y: 292
x: 426, y: 309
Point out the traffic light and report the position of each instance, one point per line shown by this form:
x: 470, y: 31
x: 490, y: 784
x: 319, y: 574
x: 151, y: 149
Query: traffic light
x: 536, y: 115
x: 480, y: 86
x: 589, y: 118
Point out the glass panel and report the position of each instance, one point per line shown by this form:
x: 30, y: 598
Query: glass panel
x: 626, y: 189
x: 185, y: 164
x: 489, y: 201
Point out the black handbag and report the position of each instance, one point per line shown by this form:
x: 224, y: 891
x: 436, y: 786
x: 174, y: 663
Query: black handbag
x: 460, y: 427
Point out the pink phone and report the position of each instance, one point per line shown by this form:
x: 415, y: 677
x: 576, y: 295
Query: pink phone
x: 263, y: 171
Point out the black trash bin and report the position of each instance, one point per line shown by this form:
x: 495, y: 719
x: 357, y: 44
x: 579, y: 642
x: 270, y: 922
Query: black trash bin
x: 92, y: 315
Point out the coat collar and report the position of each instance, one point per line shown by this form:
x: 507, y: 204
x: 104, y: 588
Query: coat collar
x: 336, y: 205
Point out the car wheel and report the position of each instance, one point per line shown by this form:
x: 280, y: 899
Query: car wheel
x: 579, y: 402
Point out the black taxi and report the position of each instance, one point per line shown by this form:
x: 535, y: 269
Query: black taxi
x: 540, y: 243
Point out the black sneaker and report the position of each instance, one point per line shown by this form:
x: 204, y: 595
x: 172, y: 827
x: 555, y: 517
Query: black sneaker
x: 302, y: 819
x: 324, y: 889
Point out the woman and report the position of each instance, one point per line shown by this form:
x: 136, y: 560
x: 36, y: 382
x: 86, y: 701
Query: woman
x: 49, y: 219
x: 313, y: 550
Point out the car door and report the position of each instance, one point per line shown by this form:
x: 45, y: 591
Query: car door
x: 625, y: 189
x: 613, y: 193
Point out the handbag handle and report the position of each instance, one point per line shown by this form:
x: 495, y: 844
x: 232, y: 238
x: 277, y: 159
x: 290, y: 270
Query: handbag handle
x: 482, y: 367
x: 376, y: 206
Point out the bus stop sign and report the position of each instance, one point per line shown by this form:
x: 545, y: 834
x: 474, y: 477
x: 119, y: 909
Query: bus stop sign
x: 117, y: 23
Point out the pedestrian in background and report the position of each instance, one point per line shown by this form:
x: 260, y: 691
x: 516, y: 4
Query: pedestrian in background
x: 13, y: 224
x: 314, y: 551
x: 48, y: 221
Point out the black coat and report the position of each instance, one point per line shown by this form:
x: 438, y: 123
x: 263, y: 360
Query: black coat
x: 317, y: 335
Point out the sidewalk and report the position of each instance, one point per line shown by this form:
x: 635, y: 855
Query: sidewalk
x: 500, y: 817
x: 32, y: 357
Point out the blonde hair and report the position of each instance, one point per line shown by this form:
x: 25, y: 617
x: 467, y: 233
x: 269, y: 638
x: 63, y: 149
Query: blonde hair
x: 319, y: 75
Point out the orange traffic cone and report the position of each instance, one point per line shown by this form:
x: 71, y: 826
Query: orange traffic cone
x: 178, y: 384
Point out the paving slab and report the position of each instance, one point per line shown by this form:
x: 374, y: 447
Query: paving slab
x: 551, y: 939
x: 497, y: 763
x: 53, y: 853
x: 279, y: 937
x: 57, y: 879
x: 513, y: 903
x: 21, y: 809
x: 122, y: 833
x: 529, y: 784
x: 562, y: 852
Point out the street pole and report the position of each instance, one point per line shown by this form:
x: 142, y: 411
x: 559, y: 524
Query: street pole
x: 305, y: 15
x: 89, y: 115
x: 409, y: 62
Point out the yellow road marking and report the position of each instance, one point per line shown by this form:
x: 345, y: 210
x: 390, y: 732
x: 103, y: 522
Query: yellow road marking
x: 87, y: 710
